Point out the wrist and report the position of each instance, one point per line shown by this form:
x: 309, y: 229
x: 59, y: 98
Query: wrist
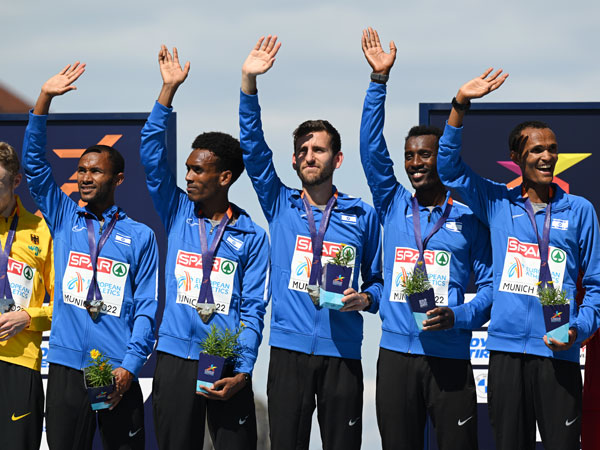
x: 369, y: 300
x: 171, y: 86
x: 380, y: 77
x: 245, y: 377
x: 26, y: 317
x: 462, y: 98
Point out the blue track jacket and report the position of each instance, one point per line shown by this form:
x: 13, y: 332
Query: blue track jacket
x: 460, y: 246
x: 241, y: 269
x: 296, y: 324
x: 127, y: 272
x: 517, y: 323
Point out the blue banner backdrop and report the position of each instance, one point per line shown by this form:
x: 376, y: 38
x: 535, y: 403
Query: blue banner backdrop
x: 486, y: 151
x: 68, y: 136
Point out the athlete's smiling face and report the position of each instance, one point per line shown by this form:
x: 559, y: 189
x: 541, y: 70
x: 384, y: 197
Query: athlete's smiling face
x: 538, y: 157
x: 95, y: 178
x: 203, y: 177
x: 420, y: 161
x: 314, y: 160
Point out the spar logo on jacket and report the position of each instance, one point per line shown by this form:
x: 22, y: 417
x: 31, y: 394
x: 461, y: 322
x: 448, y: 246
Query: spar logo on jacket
x: 188, y: 273
x: 111, y: 276
x: 521, y: 271
x: 302, y: 260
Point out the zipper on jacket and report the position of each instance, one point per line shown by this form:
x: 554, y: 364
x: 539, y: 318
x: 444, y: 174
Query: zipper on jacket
x: 315, y: 331
x: 85, y: 341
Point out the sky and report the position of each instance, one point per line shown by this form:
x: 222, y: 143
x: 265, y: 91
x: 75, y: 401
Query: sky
x: 549, y: 48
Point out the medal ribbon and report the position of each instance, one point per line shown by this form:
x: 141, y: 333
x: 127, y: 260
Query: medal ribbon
x: 206, y: 294
x: 94, y: 289
x: 4, y: 282
x: 422, y: 243
x: 317, y: 237
x: 543, y: 243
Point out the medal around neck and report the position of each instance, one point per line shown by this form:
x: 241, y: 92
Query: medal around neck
x: 6, y: 305
x: 314, y: 291
x: 205, y: 311
x: 94, y: 307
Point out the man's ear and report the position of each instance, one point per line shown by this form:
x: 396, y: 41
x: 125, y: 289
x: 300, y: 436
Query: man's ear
x: 338, y: 159
x: 294, y: 161
x: 119, y: 178
x: 17, y: 180
x: 225, y: 178
x: 515, y: 157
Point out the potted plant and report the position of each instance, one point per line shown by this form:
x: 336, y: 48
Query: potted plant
x: 98, y: 380
x: 419, y: 295
x: 219, y: 349
x: 556, y: 308
x: 335, y: 278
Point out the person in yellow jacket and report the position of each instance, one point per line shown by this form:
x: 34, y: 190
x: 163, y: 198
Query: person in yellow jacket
x: 26, y: 274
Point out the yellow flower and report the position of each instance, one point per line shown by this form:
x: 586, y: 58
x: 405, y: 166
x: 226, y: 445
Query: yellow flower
x: 94, y: 354
x: 102, y: 366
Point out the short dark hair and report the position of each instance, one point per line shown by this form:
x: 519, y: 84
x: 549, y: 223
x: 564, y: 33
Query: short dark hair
x: 311, y: 126
x: 424, y: 130
x: 227, y: 150
x: 9, y: 159
x: 515, y: 134
x: 116, y: 159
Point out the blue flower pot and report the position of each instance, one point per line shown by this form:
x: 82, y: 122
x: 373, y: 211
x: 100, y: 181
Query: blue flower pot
x: 210, y: 369
x: 98, y: 396
x: 420, y: 303
x: 556, y: 318
x: 335, y: 280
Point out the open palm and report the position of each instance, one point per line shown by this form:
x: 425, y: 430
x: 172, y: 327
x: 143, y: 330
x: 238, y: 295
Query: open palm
x: 63, y: 81
x: 484, y: 84
x: 262, y: 56
x: 170, y: 68
x: 380, y: 61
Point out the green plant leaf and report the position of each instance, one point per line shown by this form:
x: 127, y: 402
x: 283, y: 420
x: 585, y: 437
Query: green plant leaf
x: 415, y: 282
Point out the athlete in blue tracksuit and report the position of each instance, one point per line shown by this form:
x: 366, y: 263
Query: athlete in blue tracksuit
x: 239, y: 277
x: 530, y: 378
x: 314, y: 352
x: 127, y: 270
x: 427, y: 371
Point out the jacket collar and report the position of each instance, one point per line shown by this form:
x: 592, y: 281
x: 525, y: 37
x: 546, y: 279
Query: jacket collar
x: 344, y: 201
x: 106, y: 215
x: 243, y: 223
x: 560, y: 200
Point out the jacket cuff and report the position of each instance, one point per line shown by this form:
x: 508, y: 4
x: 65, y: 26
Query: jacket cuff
x: 248, y: 101
x: 160, y: 113
x: 133, y: 363
x: 375, y: 293
x: 40, y: 119
x: 461, y: 317
x: 453, y: 131
x: 40, y: 321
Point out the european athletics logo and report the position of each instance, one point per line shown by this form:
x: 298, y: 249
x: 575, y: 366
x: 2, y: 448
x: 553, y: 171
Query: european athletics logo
x: 304, y: 266
x: 400, y: 277
x: 184, y: 281
x: 76, y: 283
x: 556, y: 317
x: 515, y: 269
